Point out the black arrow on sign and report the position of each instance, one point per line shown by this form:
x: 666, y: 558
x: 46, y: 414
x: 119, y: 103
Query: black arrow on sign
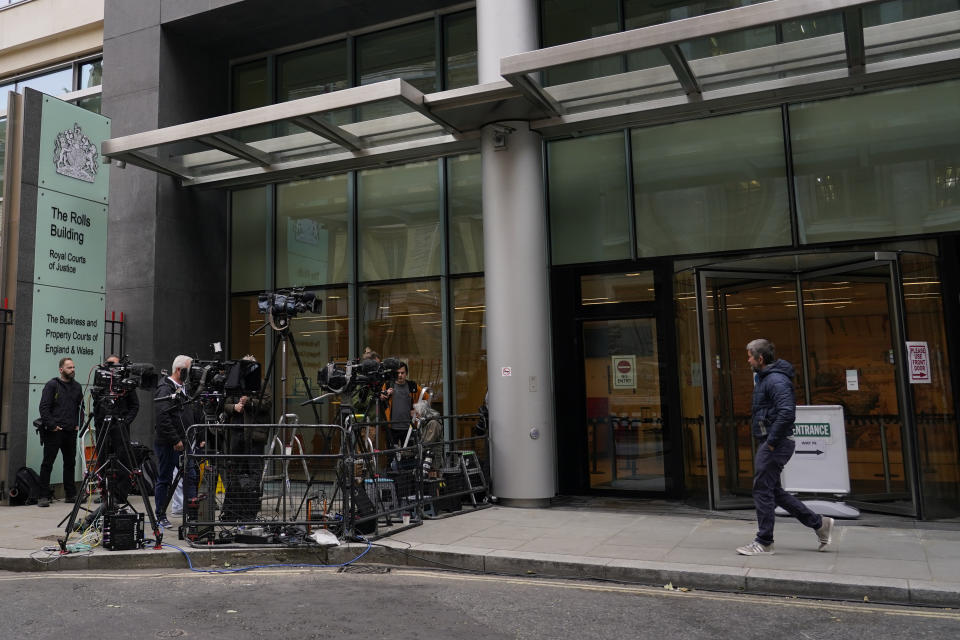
x: 816, y: 452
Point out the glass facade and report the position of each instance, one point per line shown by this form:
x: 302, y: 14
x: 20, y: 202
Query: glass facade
x: 465, y: 213
x: 393, y: 219
x: 877, y: 165
x: 469, y: 344
x: 711, y: 185
x: 312, y: 221
x: 883, y: 164
x: 405, y: 321
x: 396, y: 252
x: 432, y: 55
x: 588, y: 197
x: 399, y: 221
x: 84, y: 74
x: 933, y: 404
x: 250, y: 235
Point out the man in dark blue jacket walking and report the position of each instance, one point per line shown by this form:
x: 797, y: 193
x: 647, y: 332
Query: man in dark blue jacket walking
x: 774, y: 411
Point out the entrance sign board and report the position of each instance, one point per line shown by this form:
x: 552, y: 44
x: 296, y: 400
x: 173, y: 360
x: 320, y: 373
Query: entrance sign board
x: 819, y: 462
x: 68, y: 243
x: 918, y: 361
x: 624, y: 370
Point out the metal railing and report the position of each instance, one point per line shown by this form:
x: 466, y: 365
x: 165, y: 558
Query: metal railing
x: 277, y: 483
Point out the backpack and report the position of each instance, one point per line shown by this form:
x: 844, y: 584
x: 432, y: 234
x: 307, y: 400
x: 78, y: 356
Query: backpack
x: 26, y: 487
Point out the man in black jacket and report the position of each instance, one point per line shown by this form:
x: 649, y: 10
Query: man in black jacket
x: 774, y: 412
x: 60, y: 412
x: 172, y: 421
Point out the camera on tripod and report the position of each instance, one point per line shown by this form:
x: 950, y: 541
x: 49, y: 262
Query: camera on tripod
x: 287, y: 303
x: 117, y: 378
x: 345, y: 377
x: 232, y: 377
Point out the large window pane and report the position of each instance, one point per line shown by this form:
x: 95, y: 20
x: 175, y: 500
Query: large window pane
x: 404, y: 321
x: 399, y: 221
x: 54, y: 83
x: 589, y: 215
x: 881, y: 164
x: 249, y: 87
x: 690, y: 372
x: 312, y: 72
x: 244, y: 320
x: 897, y: 10
x: 90, y: 103
x: 460, y: 48
x: 466, y: 213
x: 408, y: 52
x: 565, y: 21
x: 933, y: 403
x: 5, y: 89
x: 645, y: 13
x: 711, y: 185
x: 312, y: 243
x: 319, y: 338
x: 469, y: 344
x: 250, y: 240
x: 91, y: 74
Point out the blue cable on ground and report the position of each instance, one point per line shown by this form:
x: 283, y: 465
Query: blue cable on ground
x: 270, y: 566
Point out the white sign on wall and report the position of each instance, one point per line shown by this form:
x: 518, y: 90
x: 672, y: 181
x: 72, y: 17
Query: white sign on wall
x: 819, y: 462
x: 624, y: 372
x: 918, y: 361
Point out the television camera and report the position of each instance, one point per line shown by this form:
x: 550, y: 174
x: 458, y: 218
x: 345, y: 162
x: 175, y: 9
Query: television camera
x: 287, y: 303
x: 233, y: 377
x: 346, y: 377
x: 118, y: 378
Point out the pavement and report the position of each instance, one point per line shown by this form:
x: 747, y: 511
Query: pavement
x: 672, y: 545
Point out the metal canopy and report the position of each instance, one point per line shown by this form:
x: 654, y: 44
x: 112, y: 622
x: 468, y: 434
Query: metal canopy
x: 368, y: 125
x: 392, y: 122
x: 903, y: 52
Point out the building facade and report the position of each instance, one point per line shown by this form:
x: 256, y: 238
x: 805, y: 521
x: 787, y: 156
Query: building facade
x: 584, y: 209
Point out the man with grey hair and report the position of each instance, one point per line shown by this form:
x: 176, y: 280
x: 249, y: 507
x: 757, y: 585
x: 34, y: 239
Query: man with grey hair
x: 172, y: 421
x: 774, y: 412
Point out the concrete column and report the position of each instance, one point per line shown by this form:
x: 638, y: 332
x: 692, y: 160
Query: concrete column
x: 516, y: 268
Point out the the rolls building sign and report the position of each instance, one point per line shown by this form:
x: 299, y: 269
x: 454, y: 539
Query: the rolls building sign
x: 54, y: 258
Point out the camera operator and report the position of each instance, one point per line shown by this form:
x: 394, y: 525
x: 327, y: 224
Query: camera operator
x: 241, y: 500
x: 173, y: 418
x: 399, y: 397
x: 123, y: 405
x: 60, y: 412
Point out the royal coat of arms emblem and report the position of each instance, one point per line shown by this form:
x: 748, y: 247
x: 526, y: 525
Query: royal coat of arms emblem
x: 75, y: 156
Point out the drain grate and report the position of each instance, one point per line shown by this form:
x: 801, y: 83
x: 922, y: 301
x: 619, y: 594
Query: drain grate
x: 363, y: 568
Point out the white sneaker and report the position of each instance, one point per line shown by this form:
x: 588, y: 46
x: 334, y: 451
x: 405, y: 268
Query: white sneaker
x: 756, y: 549
x: 825, y: 532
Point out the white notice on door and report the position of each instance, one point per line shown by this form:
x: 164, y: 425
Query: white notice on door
x: 853, y: 380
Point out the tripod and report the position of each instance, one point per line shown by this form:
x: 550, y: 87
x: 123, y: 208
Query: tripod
x: 111, y: 473
x: 282, y: 336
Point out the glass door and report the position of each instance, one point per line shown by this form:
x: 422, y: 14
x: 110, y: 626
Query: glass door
x: 840, y: 328
x: 851, y: 331
x: 625, y: 425
x: 739, y: 309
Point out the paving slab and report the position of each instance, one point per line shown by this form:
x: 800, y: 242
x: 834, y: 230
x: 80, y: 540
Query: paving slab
x: 885, y: 559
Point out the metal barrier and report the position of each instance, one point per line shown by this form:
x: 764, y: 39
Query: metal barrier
x: 277, y: 483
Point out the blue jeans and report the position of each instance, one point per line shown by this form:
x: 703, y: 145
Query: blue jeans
x: 768, y: 494
x: 167, y: 459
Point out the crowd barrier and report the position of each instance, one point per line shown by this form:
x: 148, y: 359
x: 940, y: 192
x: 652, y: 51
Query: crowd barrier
x: 279, y: 483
